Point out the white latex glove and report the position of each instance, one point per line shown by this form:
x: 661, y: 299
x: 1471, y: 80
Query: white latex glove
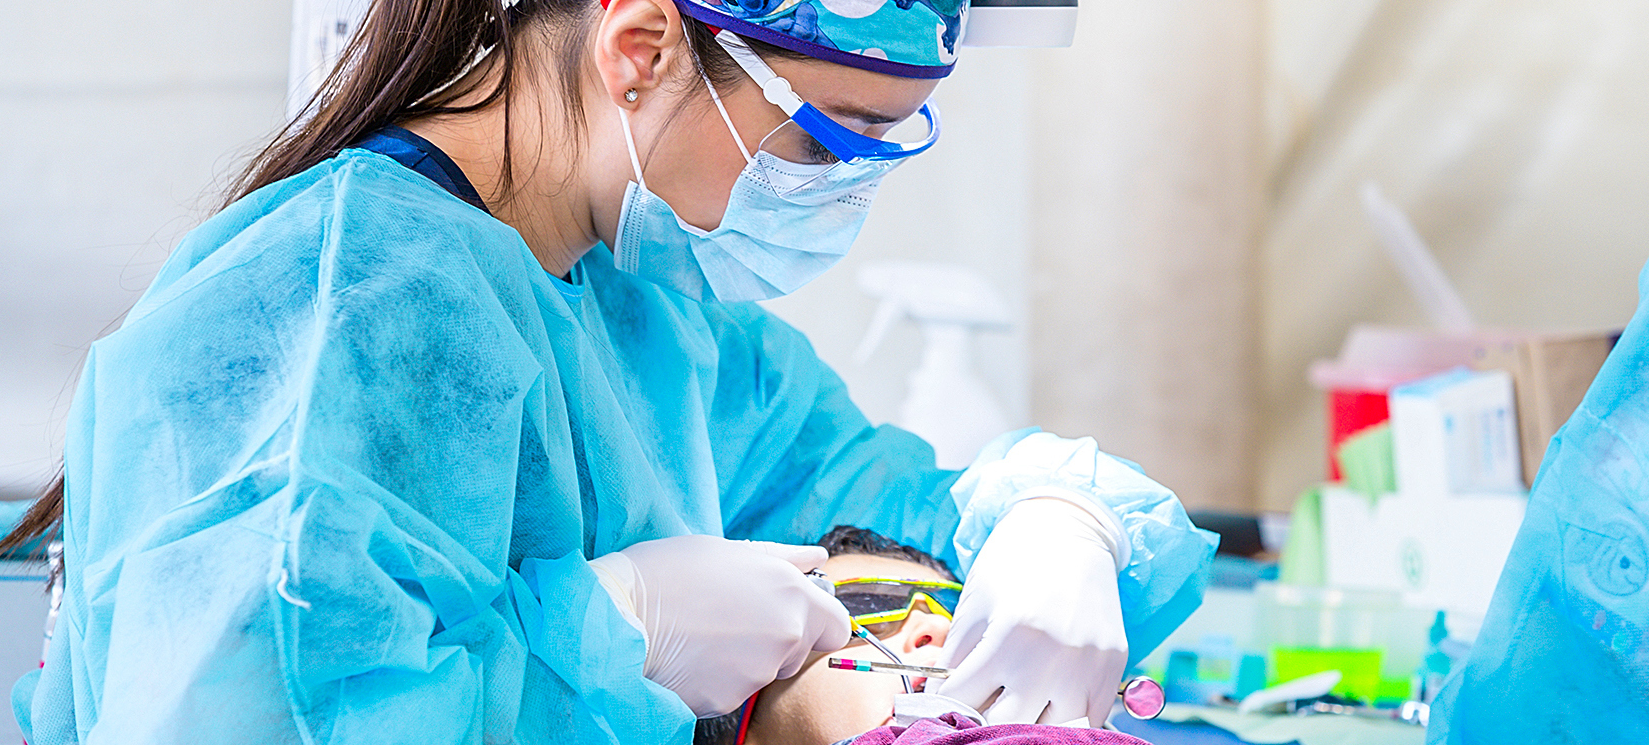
x: 723, y: 618
x: 1040, y: 617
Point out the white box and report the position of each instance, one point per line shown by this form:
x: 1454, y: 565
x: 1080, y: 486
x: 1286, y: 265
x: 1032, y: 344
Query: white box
x: 1456, y: 433
x: 1443, y: 553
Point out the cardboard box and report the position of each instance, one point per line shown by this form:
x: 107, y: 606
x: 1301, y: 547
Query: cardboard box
x: 1551, y: 375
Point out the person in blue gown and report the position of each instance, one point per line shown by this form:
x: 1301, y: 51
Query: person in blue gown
x: 456, y: 424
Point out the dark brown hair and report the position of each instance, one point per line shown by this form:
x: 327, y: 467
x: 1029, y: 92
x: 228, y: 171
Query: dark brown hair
x: 846, y: 540
x: 407, y: 61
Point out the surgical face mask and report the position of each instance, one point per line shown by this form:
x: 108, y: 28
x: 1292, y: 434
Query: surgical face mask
x: 779, y: 232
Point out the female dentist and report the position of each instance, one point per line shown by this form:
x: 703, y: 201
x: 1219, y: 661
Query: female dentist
x: 453, y: 425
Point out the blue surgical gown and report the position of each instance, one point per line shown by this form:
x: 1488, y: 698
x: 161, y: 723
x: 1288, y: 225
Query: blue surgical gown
x: 338, y: 475
x: 1563, y: 654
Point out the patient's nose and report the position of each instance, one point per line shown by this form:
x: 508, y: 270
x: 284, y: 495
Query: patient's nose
x: 923, y: 629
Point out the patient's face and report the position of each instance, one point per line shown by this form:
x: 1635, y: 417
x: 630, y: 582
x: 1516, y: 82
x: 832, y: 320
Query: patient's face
x: 821, y: 705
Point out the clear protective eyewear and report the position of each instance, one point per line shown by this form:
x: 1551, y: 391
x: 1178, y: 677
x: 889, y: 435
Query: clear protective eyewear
x: 881, y: 605
x: 812, y: 158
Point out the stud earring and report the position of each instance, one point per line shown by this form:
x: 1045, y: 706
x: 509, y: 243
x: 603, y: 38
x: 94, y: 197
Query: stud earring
x: 631, y: 95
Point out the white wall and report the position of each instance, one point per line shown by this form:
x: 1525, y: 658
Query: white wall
x: 115, y: 119
x: 966, y: 201
x: 1114, y: 189
x: 1147, y: 214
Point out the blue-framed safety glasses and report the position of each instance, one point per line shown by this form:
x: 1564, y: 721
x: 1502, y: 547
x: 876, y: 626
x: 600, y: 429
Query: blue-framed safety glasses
x: 812, y: 158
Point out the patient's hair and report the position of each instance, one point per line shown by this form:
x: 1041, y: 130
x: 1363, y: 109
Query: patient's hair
x: 841, y: 540
x: 846, y: 539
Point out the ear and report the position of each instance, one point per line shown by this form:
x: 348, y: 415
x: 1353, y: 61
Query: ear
x: 635, y: 45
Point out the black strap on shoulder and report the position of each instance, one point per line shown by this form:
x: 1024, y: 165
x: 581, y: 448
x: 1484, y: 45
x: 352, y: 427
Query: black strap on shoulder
x: 422, y: 156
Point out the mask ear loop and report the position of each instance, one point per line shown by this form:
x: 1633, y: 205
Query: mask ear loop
x: 727, y: 119
x: 630, y: 138
x: 630, y: 142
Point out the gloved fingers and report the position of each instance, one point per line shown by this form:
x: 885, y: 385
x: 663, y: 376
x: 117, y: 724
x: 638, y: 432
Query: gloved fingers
x: 973, y: 690
x: 830, y: 627
x: 975, y: 678
x: 1065, y: 706
x: 792, y: 664
x: 805, y: 558
x: 724, y: 701
x: 819, y: 630
x: 825, y: 628
x: 732, y: 686
x: 1100, y: 704
x: 966, y: 629
x: 1016, y: 707
x: 837, y: 632
x: 1109, y: 680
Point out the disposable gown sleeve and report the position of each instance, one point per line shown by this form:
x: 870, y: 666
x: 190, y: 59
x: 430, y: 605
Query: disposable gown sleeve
x: 1167, y: 558
x: 1563, y: 652
x: 291, y: 480
x: 797, y: 457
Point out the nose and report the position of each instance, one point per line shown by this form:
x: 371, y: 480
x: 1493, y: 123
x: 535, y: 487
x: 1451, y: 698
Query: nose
x: 923, y: 628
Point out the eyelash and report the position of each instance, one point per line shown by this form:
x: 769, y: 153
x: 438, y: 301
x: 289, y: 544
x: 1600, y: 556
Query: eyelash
x: 819, y: 153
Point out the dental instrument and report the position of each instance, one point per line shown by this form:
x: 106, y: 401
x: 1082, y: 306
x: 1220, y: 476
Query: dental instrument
x: 867, y: 666
x: 1142, y: 696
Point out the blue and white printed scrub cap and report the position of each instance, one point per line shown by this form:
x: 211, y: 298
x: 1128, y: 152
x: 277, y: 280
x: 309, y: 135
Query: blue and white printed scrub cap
x: 907, y: 38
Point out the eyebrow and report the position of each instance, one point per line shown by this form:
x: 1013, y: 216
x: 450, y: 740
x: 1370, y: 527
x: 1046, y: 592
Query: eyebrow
x: 868, y: 116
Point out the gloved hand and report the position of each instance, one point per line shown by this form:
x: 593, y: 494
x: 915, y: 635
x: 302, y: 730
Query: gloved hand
x: 1040, y: 618
x: 723, y: 618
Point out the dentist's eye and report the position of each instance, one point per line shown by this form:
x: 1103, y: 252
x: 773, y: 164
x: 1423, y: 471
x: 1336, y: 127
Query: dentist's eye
x: 819, y: 154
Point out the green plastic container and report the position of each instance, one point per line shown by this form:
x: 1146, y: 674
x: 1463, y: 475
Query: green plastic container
x: 1370, y: 637
x: 1359, y: 668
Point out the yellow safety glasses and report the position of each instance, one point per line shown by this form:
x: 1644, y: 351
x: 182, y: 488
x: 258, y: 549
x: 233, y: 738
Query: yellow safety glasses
x: 882, y: 604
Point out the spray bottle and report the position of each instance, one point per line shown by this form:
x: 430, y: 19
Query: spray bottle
x: 947, y: 403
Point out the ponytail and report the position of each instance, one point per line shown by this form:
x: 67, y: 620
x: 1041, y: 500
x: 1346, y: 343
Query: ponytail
x: 43, y: 520
x: 403, y: 62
